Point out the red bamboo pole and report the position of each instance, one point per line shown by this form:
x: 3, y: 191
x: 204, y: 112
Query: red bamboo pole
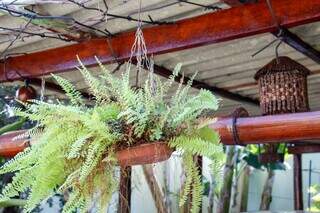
x: 10, y: 147
x: 250, y: 130
x: 270, y: 129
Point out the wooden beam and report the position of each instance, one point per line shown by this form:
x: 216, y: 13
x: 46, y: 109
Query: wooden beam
x: 206, y: 29
x: 304, y: 148
x: 201, y: 85
x: 298, y: 44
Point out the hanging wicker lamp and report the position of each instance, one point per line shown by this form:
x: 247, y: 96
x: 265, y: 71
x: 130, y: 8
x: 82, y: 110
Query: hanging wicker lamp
x: 283, y: 89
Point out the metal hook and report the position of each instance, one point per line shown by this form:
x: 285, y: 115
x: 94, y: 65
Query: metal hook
x: 277, y: 51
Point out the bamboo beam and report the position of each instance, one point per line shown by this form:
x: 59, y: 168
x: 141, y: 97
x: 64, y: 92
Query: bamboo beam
x: 297, y: 185
x: 10, y: 147
x: 270, y: 129
x: 237, y: 22
x: 251, y: 130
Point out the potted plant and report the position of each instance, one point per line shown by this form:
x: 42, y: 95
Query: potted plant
x: 77, y: 146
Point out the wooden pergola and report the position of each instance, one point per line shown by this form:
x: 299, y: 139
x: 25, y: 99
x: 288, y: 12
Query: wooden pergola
x: 239, y: 21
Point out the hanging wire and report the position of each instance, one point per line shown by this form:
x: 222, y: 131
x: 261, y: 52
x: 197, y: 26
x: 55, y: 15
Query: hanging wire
x: 277, y: 51
x: 279, y: 35
x: 139, y: 51
x: 43, y: 85
x: 273, y: 15
x: 265, y: 47
x: 206, y: 7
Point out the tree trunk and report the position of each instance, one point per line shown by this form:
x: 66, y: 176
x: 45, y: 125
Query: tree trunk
x: 236, y: 184
x: 266, y: 197
x: 245, y: 189
x: 14, y: 126
x: 155, y: 189
x: 225, y: 195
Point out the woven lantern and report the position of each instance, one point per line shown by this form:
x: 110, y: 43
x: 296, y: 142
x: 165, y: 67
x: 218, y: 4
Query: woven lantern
x: 283, y: 89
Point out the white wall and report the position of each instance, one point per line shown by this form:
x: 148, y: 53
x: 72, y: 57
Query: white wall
x: 142, y: 200
x: 283, y: 185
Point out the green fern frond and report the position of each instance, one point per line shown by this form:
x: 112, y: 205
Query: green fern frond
x: 75, y: 144
x: 74, y: 95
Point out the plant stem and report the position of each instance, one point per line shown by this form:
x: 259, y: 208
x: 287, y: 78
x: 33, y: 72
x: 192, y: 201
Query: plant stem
x: 224, y: 202
x: 14, y: 126
x: 12, y: 202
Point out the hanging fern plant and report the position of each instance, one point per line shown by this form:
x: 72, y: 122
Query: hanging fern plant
x: 76, y: 144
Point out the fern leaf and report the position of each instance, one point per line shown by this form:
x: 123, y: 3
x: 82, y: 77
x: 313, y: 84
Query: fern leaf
x: 74, y: 95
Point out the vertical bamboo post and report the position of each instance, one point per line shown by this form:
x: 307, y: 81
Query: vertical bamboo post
x: 297, y: 178
x: 125, y: 190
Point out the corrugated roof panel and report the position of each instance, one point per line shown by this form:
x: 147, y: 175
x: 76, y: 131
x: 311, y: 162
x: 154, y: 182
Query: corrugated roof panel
x: 228, y: 65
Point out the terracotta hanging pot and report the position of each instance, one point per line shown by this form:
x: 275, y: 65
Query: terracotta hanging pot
x: 136, y: 155
x: 144, y: 154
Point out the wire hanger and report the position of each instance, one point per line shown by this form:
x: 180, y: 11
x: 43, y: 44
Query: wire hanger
x: 139, y: 51
x: 279, y: 35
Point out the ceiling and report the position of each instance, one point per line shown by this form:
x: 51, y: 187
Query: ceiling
x: 227, y: 65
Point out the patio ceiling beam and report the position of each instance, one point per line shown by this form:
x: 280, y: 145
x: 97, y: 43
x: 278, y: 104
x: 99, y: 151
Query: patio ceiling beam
x: 164, y: 72
x: 225, y: 25
x: 298, y: 44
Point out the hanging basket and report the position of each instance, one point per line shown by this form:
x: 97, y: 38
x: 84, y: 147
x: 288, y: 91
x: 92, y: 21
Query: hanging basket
x: 136, y: 155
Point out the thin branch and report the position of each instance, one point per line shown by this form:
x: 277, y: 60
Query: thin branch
x: 34, y: 15
x: 42, y: 35
x: 15, y: 39
x: 129, y: 18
